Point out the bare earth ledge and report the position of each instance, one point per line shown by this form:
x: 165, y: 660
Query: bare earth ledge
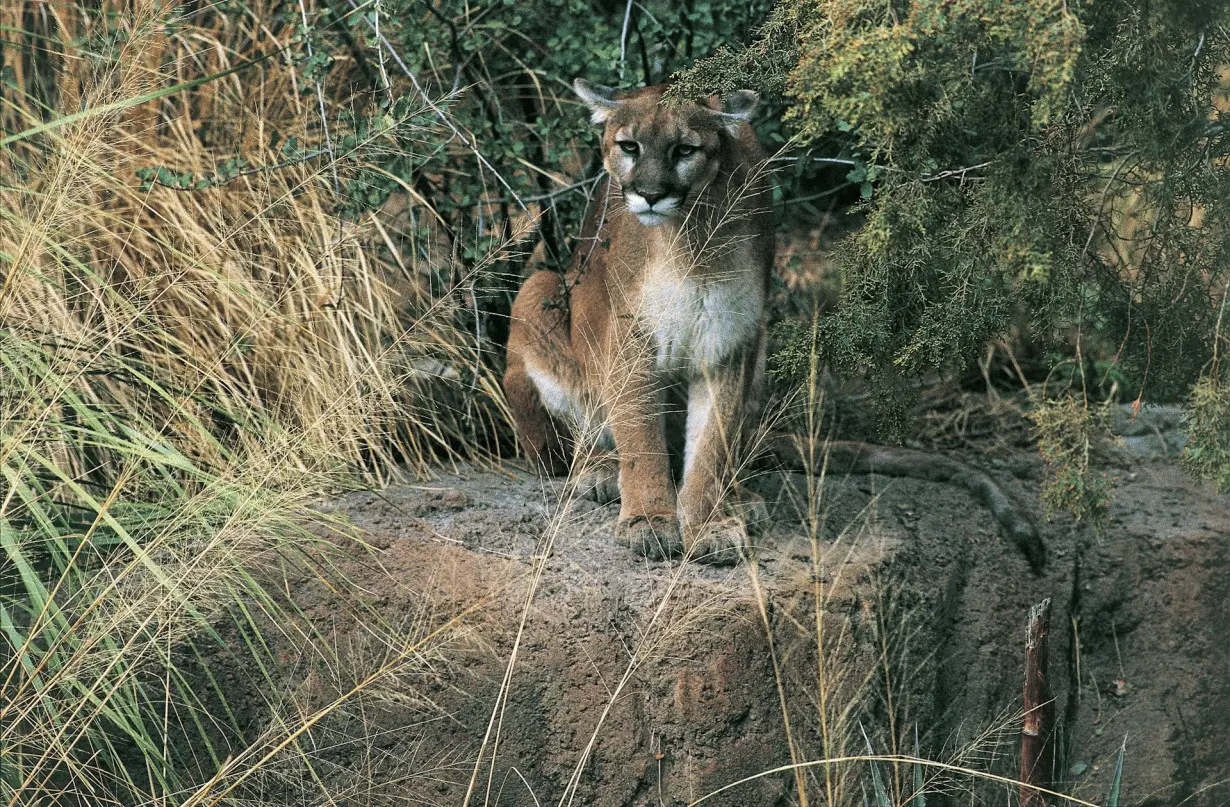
x: 924, y: 609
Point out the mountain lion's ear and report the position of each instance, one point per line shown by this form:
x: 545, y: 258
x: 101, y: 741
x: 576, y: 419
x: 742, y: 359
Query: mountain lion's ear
x: 741, y: 104
x: 600, y: 99
x: 738, y: 108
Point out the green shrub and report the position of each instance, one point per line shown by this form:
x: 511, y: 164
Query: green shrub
x: 1207, y: 453
x: 1061, y: 169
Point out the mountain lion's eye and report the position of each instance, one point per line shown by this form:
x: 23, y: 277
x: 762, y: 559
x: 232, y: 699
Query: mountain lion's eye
x: 684, y: 150
x: 628, y: 146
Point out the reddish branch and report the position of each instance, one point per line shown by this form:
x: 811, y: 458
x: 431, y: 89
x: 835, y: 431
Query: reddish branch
x: 1037, y: 746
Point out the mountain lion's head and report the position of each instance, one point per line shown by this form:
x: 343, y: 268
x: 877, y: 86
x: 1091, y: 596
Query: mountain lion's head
x: 660, y: 155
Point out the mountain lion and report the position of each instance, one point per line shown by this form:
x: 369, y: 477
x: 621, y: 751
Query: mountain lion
x: 664, y: 301
x: 654, y: 337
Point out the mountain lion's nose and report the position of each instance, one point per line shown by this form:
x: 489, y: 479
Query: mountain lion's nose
x: 652, y: 198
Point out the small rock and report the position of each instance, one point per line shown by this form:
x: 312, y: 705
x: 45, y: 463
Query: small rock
x: 454, y: 499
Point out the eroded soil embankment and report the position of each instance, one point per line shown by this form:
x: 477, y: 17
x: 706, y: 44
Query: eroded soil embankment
x: 642, y: 683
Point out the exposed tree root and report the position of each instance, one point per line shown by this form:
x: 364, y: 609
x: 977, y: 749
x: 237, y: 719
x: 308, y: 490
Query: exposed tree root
x: 850, y: 457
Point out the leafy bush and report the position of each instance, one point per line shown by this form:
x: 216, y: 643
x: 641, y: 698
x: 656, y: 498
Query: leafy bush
x: 1057, y: 168
x: 1207, y: 454
x: 1066, y: 430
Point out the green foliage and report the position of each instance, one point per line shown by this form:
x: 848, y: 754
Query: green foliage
x: 795, y: 359
x: 764, y: 63
x: 1056, y: 169
x: 903, y: 74
x: 1207, y: 453
x: 1066, y: 430
x: 187, y: 180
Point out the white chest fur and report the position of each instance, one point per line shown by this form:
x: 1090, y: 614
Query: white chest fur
x: 697, y: 323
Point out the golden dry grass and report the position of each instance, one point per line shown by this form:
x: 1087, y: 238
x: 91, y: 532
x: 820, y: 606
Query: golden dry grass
x: 181, y: 373
x: 263, y: 315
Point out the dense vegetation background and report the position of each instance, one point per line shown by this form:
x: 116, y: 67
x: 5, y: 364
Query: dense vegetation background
x: 257, y: 250
x: 1049, y: 170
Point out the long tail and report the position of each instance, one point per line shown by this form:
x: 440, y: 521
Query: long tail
x: 850, y: 457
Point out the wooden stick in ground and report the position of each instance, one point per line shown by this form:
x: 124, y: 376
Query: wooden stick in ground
x: 1037, y: 736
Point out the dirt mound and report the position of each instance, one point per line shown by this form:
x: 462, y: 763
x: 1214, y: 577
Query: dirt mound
x: 654, y: 683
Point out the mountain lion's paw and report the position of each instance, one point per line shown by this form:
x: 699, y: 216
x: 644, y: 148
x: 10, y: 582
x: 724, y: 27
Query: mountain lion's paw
x: 656, y: 536
x: 723, y: 542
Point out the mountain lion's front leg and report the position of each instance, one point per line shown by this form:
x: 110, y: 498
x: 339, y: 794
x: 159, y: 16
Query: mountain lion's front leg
x: 717, y: 407
x: 648, y: 520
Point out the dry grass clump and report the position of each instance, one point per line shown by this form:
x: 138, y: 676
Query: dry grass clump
x: 181, y: 372
x: 261, y: 314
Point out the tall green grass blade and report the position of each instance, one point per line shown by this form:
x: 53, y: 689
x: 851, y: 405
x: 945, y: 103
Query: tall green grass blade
x: 1117, y: 779
x: 877, y: 782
